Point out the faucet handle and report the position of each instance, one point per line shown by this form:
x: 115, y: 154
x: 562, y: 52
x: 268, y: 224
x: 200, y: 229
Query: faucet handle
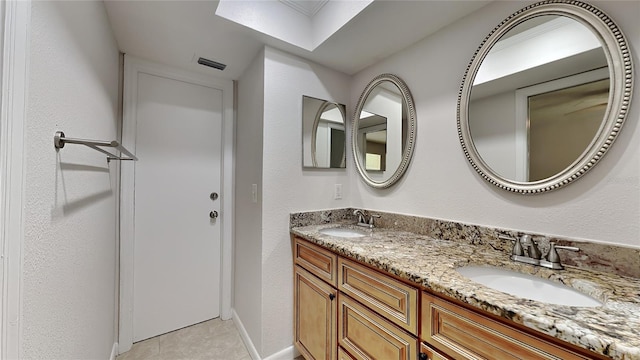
x: 553, y: 256
x: 360, y: 214
x: 372, y: 217
x: 517, y: 246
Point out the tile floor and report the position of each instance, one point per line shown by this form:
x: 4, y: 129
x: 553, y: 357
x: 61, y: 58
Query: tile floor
x: 211, y: 340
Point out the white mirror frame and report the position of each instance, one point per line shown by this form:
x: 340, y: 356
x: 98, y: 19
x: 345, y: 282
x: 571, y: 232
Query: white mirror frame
x: 616, y: 50
x: 407, y: 152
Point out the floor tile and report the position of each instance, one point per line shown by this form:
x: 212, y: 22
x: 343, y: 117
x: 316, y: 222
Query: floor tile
x: 210, y: 340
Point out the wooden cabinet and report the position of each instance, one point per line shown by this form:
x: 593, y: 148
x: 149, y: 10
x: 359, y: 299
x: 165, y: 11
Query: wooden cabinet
x: 347, y: 311
x: 314, y: 316
x: 343, y: 355
x: 318, y: 261
x: 368, y: 336
x: 393, y: 299
x: 464, y: 334
x: 428, y: 353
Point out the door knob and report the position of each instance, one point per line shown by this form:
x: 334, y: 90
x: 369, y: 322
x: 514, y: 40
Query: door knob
x: 213, y: 214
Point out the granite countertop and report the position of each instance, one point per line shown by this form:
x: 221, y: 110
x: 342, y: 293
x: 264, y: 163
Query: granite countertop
x: 612, y: 330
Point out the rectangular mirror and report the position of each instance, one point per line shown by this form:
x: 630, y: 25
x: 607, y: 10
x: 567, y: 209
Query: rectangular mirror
x: 323, y: 134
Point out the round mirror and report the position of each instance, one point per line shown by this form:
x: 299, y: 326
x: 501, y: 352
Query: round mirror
x: 545, y: 96
x: 383, y: 131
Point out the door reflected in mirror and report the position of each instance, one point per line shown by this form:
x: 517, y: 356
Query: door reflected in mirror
x: 539, y: 98
x: 373, y: 132
x: 323, y: 134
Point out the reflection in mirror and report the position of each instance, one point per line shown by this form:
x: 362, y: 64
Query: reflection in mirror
x: 384, y: 131
x: 531, y: 95
x: 544, y: 97
x: 373, y: 134
x: 323, y: 134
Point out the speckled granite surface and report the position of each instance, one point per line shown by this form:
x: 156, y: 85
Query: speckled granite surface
x: 612, y: 330
x: 617, y: 260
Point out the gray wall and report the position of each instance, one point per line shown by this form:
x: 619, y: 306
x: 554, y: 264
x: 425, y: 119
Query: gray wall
x: 248, y: 215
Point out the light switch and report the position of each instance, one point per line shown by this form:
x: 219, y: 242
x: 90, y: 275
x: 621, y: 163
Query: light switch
x: 337, y: 193
x: 254, y: 193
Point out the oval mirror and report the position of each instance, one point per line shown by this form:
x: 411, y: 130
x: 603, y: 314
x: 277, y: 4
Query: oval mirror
x: 545, y: 96
x: 383, y: 131
x: 323, y: 134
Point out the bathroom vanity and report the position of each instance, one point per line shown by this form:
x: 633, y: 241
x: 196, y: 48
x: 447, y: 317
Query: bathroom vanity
x: 396, y: 295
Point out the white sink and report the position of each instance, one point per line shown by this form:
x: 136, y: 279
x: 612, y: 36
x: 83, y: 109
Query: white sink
x: 527, y: 286
x: 343, y: 232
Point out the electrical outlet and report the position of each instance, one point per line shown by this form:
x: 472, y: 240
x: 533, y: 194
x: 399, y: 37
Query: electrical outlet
x: 254, y: 193
x: 337, y: 192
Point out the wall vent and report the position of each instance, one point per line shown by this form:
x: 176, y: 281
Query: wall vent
x: 211, y: 63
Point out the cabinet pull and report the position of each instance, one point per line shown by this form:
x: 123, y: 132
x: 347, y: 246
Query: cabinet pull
x: 332, y: 296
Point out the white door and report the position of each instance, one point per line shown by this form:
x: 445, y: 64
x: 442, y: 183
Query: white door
x: 176, y: 270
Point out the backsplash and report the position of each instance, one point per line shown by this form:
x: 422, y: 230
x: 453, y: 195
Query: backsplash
x: 620, y: 260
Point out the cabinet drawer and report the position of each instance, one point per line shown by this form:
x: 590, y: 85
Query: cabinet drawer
x: 318, y: 261
x: 393, y: 299
x: 430, y: 354
x: 343, y: 355
x: 368, y: 336
x: 464, y: 334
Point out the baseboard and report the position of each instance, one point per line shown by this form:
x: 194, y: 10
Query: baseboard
x: 289, y: 353
x: 245, y: 336
x: 114, y: 351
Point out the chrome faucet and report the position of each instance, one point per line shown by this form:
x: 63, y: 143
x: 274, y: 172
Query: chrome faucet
x: 362, y: 219
x: 361, y: 216
x: 533, y: 255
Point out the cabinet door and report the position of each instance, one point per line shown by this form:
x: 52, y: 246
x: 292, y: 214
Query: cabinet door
x: 368, y: 336
x: 315, y: 308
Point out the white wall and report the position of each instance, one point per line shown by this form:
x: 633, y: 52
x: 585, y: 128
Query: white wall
x: 289, y: 188
x: 603, y: 206
x: 69, y: 266
x: 248, y: 215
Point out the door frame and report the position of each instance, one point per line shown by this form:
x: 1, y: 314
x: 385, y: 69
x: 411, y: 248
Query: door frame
x: 16, y: 25
x: 132, y: 68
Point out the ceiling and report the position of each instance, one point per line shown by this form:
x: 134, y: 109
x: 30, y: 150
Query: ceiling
x: 178, y: 32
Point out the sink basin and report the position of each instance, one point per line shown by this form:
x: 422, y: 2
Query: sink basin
x: 343, y: 232
x: 527, y: 286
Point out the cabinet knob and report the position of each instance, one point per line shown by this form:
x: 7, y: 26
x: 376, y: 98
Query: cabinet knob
x: 424, y: 356
x: 332, y: 296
